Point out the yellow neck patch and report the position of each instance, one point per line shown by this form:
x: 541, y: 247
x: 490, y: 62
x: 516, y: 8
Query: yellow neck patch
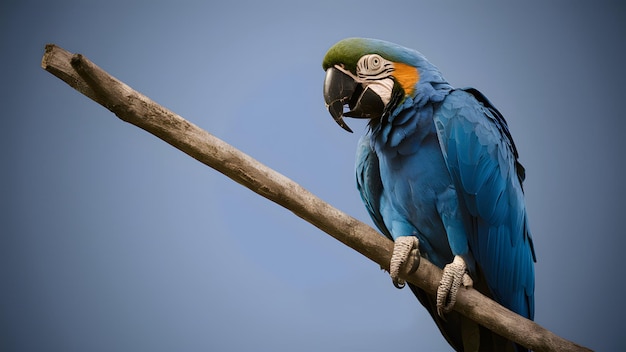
x: 407, y: 76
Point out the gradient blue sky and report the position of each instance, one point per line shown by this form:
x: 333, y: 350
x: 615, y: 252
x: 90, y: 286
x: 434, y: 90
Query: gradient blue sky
x: 112, y: 240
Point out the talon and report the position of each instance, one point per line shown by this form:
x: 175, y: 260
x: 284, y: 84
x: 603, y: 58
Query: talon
x: 404, y: 248
x: 454, y: 275
x: 398, y: 283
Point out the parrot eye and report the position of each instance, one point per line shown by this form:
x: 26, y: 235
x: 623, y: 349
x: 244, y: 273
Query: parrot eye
x: 374, y: 62
x: 373, y: 67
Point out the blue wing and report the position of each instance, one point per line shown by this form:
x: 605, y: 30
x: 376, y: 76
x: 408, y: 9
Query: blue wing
x: 482, y: 161
x: 368, y: 182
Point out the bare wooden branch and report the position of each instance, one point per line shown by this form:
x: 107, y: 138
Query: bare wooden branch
x: 137, y: 109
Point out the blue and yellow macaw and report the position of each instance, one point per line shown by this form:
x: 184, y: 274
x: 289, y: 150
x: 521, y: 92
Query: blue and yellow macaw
x: 439, y: 175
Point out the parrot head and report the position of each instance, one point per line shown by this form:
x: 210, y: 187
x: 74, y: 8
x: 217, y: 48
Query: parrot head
x: 369, y: 78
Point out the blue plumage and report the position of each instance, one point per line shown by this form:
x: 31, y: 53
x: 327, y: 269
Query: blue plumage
x: 441, y: 165
x: 483, y: 169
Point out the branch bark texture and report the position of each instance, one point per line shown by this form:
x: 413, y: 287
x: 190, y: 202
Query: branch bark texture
x: 139, y: 110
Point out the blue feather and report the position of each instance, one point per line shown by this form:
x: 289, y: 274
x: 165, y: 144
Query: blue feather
x: 482, y: 163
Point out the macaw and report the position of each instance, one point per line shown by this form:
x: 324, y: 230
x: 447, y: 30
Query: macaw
x: 438, y: 172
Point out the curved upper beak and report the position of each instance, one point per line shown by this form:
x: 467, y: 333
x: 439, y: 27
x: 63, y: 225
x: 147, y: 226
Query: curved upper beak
x: 341, y: 89
x: 338, y: 90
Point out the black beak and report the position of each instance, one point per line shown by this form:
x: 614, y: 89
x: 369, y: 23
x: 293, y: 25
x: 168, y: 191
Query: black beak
x: 341, y: 89
x: 338, y: 90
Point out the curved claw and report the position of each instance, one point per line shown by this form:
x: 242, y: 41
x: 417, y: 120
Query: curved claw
x: 454, y: 275
x: 404, y: 248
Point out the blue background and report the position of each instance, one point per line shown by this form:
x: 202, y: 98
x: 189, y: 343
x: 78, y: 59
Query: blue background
x: 112, y: 240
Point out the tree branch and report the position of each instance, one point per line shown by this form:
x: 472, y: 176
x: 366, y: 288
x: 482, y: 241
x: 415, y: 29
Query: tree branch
x: 137, y: 109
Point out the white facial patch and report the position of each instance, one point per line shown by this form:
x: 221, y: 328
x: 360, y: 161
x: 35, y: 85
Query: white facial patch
x: 383, y: 88
x: 373, y: 67
x: 374, y: 72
